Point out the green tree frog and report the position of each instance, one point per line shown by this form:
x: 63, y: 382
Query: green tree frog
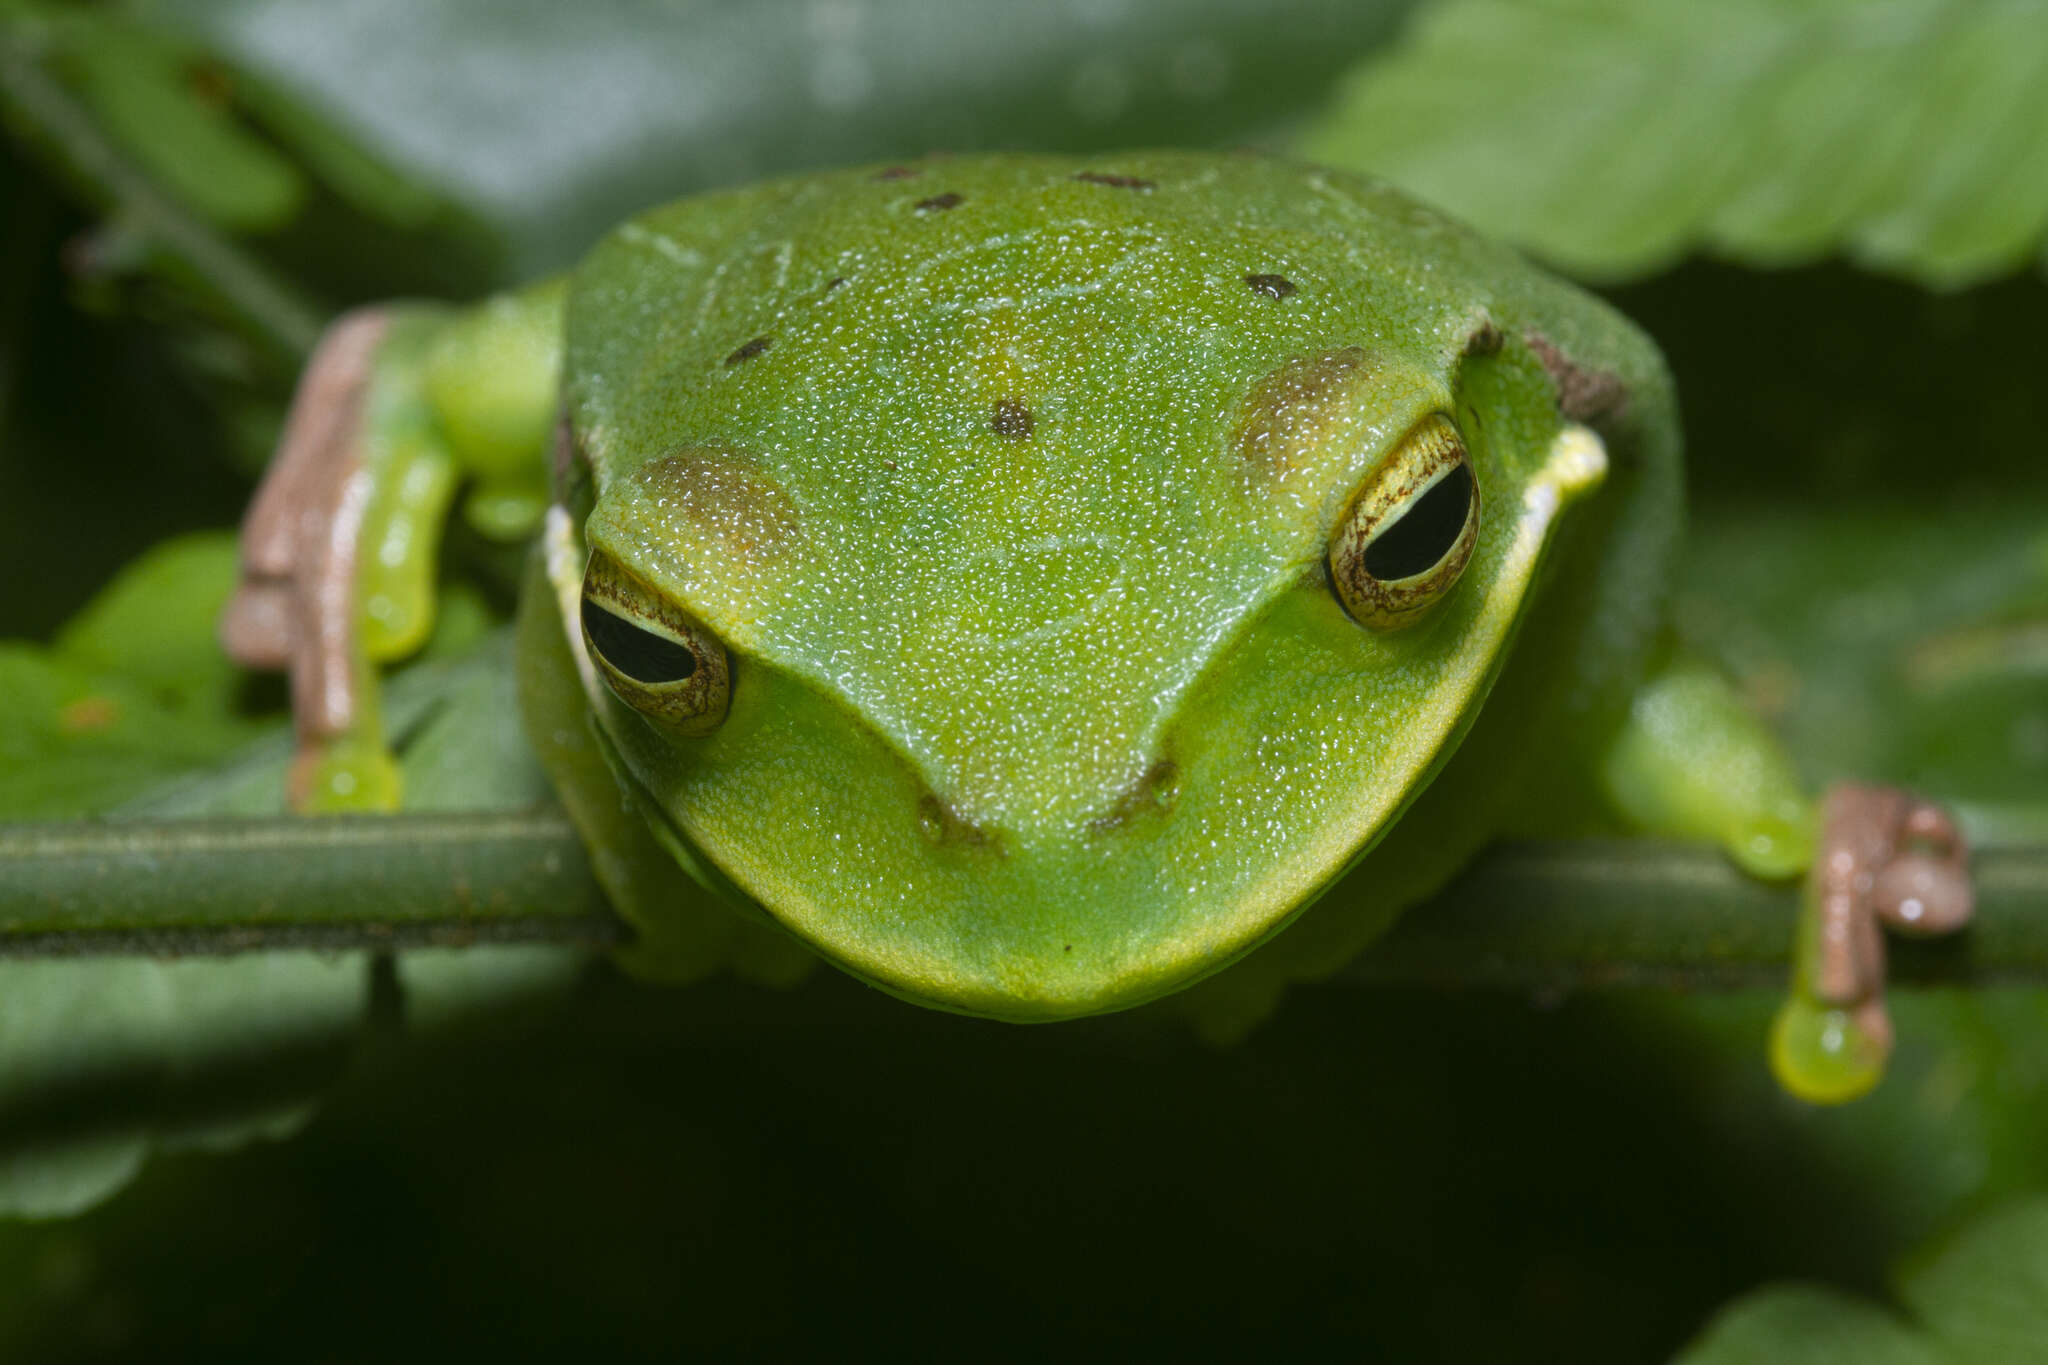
x: 1040, y: 586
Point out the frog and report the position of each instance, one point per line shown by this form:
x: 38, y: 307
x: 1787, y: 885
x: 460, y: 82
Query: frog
x: 1046, y: 585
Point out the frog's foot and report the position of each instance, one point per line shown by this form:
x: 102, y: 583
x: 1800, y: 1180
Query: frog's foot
x: 1886, y: 859
x: 295, y: 606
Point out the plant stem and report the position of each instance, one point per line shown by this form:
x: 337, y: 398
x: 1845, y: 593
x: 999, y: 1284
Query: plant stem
x: 228, y: 886
x: 1526, y: 916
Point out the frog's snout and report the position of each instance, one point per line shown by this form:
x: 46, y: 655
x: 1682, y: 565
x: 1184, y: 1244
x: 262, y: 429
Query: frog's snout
x: 1152, y: 794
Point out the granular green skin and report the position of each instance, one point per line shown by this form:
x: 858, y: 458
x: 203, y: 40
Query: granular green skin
x: 1007, y: 483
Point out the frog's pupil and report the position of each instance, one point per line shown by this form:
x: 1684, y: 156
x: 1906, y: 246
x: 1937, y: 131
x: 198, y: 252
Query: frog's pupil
x: 640, y: 654
x: 1420, y: 537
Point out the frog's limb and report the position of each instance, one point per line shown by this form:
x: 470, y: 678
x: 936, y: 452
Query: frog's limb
x: 341, y: 547
x: 660, y: 887
x: 294, y: 607
x: 1691, y: 762
x: 491, y: 376
x: 1885, y: 858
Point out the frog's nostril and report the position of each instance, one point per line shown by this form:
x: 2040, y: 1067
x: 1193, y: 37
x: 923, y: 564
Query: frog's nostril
x: 1154, y: 793
x: 942, y: 824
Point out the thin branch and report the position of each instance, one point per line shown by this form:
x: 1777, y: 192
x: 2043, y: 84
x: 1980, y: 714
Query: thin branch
x: 1528, y: 916
x: 231, y: 886
x: 265, y: 308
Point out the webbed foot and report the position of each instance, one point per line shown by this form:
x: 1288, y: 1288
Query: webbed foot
x: 1886, y: 859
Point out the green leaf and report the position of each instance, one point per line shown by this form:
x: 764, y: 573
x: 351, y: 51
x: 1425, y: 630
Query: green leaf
x: 104, y: 1061
x: 134, y: 690
x: 1985, y: 1295
x: 551, y: 122
x: 1807, y: 1325
x: 148, y: 100
x: 1980, y: 1300
x: 157, y: 621
x: 1612, y: 136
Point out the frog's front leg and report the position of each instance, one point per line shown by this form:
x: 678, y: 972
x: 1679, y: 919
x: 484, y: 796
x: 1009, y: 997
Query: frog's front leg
x: 1692, y: 762
x: 1885, y: 858
x: 340, y: 548
x: 295, y: 606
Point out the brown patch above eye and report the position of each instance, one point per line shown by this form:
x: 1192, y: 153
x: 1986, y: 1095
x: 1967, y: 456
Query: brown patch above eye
x: 1115, y: 182
x: 748, y: 350
x: 1012, y: 419
x: 724, y: 500
x: 1290, y: 414
x: 938, y: 203
x: 1599, y: 398
x: 1272, y: 286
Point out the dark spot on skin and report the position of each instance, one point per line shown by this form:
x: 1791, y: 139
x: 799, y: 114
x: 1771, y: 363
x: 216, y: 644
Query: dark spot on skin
x: 895, y: 173
x: 1272, y: 286
x: 834, y: 283
x: 1115, y: 182
x: 1486, y: 339
x: 1067, y: 948
x: 1156, y: 790
x: 748, y: 350
x: 888, y: 464
x: 938, y: 203
x: 1599, y: 398
x: 1012, y: 419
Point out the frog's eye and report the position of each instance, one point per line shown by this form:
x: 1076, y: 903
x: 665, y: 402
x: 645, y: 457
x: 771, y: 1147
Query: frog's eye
x: 1403, y: 542
x: 656, y: 659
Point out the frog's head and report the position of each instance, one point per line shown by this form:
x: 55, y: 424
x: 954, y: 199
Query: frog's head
x: 1032, y: 581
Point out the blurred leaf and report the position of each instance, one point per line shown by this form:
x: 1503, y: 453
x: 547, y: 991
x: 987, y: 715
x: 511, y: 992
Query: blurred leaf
x: 1984, y: 1296
x: 445, y: 986
x: 150, y: 97
x: 1612, y: 136
x: 134, y: 691
x: 157, y: 621
x: 357, y: 177
x: 470, y: 753
x: 1808, y: 1325
x: 1980, y: 1300
x: 554, y: 121
x: 453, y: 723
x: 103, y: 1061
x: 1887, y: 643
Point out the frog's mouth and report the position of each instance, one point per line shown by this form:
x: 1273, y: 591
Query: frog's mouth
x: 1272, y: 781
